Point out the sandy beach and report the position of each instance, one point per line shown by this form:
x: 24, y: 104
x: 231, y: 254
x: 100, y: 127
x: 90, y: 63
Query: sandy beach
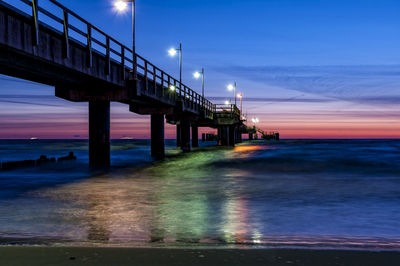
x: 161, y: 256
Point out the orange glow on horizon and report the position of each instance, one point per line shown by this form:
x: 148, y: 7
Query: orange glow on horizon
x: 248, y: 148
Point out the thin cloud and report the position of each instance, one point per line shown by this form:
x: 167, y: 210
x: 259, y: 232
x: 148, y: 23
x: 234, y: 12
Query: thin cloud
x: 30, y: 103
x: 379, y: 84
x: 298, y: 99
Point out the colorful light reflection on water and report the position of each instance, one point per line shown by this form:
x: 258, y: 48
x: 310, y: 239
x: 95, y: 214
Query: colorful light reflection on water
x: 252, y: 194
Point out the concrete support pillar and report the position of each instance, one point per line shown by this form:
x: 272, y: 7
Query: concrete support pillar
x: 157, y: 136
x: 232, y: 136
x: 223, y: 135
x: 99, y: 134
x: 185, y: 136
x: 178, y: 135
x: 219, y: 136
x: 240, y: 135
x: 195, y: 136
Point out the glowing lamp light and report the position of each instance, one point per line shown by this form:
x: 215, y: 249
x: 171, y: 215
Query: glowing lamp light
x: 227, y: 103
x: 172, y: 88
x: 197, y: 75
x: 239, y: 95
x: 255, y: 120
x: 120, y: 6
x: 172, y: 52
x: 231, y: 87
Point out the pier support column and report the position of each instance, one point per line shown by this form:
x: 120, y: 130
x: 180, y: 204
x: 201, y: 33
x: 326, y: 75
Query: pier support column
x: 99, y: 134
x: 239, y: 135
x: 223, y: 135
x: 232, y: 136
x: 195, y: 136
x: 185, y: 136
x: 178, y: 135
x: 157, y: 136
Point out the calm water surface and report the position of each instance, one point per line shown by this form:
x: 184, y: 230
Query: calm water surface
x: 308, y: 193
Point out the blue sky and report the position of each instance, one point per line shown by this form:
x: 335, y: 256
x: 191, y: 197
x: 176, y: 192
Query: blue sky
x: 336, y: 59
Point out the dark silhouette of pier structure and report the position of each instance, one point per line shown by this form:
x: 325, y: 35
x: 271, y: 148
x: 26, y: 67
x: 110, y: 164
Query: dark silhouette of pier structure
x: 85, y: 64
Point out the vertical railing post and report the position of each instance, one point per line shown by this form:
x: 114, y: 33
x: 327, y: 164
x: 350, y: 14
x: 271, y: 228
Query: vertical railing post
x: 89, y: 57
x: 35, y: 33
x: 155, y: 80
x: 66, y: 39
x: 123, y: 61
x: 134, y: 65
x: 145, y: 75
x: 169, y: 85
x: 108, y: 55
x: 162, y: 84
x: 175, y: 88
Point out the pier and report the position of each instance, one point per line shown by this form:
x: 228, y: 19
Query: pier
x: 100, y: 70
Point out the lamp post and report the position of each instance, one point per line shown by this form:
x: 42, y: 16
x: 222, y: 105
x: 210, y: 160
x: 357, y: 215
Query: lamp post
x: 197, y: 75
x: 240, y: 95
x: 172, y: 52
x: 121, y: 6
x: 232, y: 87
x: 255, y: 120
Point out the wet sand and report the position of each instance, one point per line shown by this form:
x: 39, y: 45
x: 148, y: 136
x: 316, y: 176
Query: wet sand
x: 156, y: 256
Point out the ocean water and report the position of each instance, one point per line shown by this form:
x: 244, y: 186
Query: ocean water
x: 292, y: 193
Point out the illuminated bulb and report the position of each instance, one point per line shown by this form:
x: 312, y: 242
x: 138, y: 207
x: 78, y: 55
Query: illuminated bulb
x: 172, y: 52
x: 227, y: 102
x: 239, y: 95
x: 231, y: 87
x: 196, y: 75
x: 172, y: 88
x: 120, y: 5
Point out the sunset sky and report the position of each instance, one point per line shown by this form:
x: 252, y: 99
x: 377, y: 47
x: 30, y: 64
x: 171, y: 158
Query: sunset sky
x: 307, y: 68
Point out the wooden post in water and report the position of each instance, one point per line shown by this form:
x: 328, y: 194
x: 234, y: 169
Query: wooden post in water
x: 99, y: 134
x: 195, y: 136
x: 185, y: 136
x: 157, y: 136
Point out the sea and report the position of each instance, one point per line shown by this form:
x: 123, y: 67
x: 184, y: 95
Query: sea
x: 329, y: 194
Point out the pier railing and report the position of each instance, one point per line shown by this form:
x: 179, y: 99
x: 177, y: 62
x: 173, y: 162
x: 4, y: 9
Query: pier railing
x: 228, y: 109
x: 74, y: 27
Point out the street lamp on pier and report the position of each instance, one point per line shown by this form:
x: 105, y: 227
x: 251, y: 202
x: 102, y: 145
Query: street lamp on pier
x: 232, y: 87
x: 172, y: 52
x: 198, y: 75
x: 122, y: 6
x: 240, y: 96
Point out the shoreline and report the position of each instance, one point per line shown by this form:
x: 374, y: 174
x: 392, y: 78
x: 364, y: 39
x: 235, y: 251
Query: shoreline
x: 363, y: 244
x: 31, y: 255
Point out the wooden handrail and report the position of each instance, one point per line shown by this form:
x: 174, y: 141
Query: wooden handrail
x: 165, y: 78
